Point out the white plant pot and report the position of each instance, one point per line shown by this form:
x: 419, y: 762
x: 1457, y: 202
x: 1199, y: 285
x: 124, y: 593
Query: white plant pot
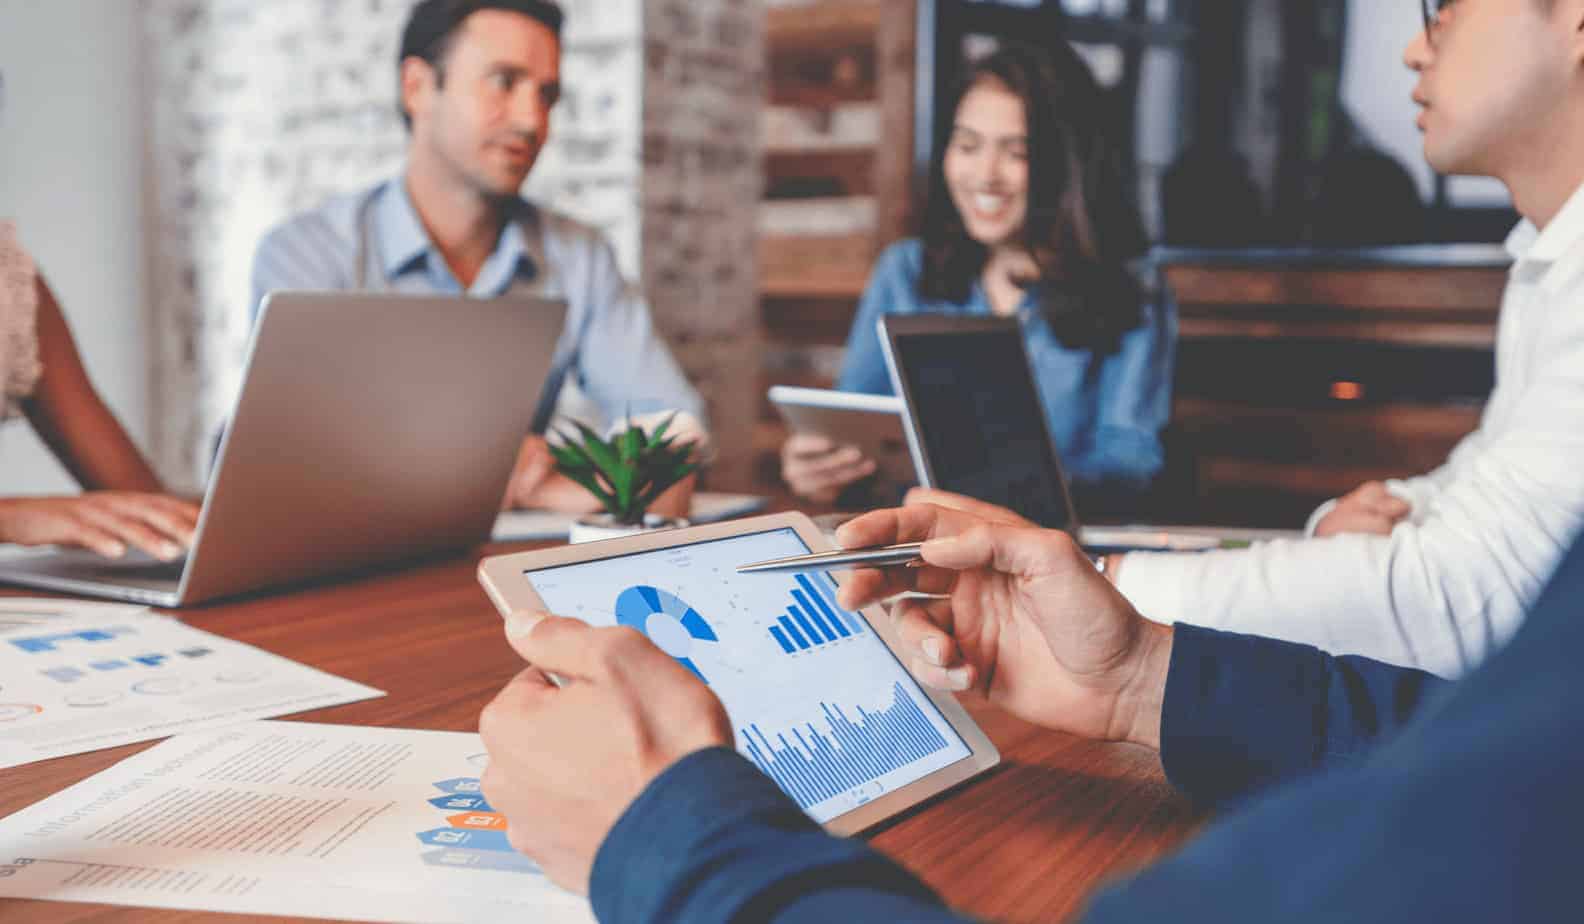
x: 599, y: 526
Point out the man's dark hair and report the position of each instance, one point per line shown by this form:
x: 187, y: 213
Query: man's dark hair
x: 1082, y: 226
x: 433, y: 26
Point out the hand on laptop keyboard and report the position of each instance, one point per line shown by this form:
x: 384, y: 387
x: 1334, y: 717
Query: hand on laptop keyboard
x: 107, y: 522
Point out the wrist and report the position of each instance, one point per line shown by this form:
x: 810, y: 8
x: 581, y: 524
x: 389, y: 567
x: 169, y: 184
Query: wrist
x: 1139, y: 703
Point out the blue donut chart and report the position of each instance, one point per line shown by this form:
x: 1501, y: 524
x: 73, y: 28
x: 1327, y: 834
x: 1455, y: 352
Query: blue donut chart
x: 649, y: 610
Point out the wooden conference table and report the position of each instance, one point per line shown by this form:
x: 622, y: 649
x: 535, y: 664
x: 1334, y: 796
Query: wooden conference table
x: 1028, y: 842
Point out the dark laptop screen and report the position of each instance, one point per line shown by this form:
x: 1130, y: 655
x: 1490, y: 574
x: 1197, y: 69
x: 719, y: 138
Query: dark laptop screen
x: 980, y: 423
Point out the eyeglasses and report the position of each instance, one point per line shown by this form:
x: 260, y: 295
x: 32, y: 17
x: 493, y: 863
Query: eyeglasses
x: 1432, y: 13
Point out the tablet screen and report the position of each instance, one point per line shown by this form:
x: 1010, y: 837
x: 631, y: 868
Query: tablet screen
x: 980, y: 421
x: 818, y: 701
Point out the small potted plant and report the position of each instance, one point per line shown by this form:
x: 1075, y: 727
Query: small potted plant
x: 626, y: 473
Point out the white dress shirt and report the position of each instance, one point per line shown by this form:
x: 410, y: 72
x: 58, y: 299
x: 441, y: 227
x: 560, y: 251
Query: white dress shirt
x: 1453, y: 580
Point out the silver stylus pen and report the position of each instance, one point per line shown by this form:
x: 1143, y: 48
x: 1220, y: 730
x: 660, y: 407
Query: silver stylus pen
x: 888, y: 556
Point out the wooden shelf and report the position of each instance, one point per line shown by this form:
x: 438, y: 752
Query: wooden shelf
x: 798, y: 322
x: 852, y: 168
x: 1402, y: 333
x: 815, y: 266
x: 819, y: 96
x: 1475, y: 293
x: 833, y: 60
x: 820, y: 27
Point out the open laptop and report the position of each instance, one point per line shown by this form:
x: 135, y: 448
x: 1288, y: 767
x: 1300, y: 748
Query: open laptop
x: 370, y: 429
x: 976, y: 426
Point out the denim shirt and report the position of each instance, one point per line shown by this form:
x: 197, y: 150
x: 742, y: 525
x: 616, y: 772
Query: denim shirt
x: 1105, y: 412
x: 374, y: 241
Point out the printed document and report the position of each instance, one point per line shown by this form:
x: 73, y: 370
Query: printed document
x: 286, y: 818
x: 76, y: 683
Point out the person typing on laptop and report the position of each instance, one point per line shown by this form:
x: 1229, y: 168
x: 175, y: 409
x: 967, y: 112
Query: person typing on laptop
x: 42, y: 378
x: 479, y: 79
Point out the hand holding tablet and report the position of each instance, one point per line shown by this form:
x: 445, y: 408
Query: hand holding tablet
x: 816, y: 698
x: 563, y: 801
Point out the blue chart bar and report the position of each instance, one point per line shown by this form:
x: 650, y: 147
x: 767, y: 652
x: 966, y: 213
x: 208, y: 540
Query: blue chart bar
x: 801, y: 618
x: 825, y: 606
x: 808, y: 610
x: 793, y: 633
x: 829, y: 586
x: 814, y: 618
x: 814, y: 767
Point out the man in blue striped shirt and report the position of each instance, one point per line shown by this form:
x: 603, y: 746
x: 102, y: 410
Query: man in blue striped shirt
x: 478, y: 81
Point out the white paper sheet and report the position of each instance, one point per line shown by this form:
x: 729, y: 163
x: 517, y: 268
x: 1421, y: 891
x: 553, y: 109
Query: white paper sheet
x: 79, y: 683
x: 286, y: 818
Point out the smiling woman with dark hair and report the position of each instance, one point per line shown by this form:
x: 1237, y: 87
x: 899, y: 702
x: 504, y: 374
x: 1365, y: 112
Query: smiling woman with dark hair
x: 1030, y: 215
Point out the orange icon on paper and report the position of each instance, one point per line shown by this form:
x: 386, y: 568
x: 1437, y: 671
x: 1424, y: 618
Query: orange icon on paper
x: 485, y: 821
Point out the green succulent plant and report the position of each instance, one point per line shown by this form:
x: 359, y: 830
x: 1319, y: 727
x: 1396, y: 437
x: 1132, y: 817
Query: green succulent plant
x: 629, y: 470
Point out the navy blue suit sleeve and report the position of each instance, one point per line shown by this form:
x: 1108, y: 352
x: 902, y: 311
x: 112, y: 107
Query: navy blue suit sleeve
x: 713, y: 839
x: 1470, y: 814
x: 1242, y: 712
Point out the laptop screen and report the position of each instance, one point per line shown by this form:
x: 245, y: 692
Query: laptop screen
x: 979, y: 421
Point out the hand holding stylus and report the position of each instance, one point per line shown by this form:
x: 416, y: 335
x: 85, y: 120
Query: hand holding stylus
x: 1026, y: 621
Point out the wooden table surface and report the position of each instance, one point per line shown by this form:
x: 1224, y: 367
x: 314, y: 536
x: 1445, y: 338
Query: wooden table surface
x: 1027, y: 842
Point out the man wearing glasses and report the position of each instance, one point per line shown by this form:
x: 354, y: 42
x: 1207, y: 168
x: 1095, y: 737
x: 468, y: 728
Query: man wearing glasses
x: 1436, y: 571
x: 1356, y: 790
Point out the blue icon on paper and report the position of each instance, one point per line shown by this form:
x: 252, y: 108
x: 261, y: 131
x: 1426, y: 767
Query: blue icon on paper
x: 477, y: 859
x: 670, y: 623
x: 461, y: 784
x: 42, y: 644
x: 461, y: 803
x: 469, y: 839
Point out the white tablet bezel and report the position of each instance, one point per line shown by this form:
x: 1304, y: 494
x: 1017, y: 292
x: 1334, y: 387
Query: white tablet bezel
x: 503, y: 579
x: 876, y: 424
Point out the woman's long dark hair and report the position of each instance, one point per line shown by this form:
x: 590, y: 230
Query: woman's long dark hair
x: 1082, y: 226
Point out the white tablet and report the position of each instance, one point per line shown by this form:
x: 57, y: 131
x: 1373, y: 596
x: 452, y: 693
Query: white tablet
x: 818, y: 699
x: 873, y: 423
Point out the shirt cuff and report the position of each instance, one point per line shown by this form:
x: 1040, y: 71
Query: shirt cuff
x: 1153, y: 583
x: 1239, y: 712
x: 1321, y: 512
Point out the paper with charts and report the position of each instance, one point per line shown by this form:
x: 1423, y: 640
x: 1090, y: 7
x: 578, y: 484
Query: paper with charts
x: 286, y: 818
x: 81, y: 683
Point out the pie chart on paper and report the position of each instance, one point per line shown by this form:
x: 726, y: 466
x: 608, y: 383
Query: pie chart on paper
x: 676, y: 628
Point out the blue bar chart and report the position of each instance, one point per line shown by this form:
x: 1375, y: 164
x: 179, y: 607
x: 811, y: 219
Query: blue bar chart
x: 813, y: 766
x: 814, y: 618
x: 45, y: 644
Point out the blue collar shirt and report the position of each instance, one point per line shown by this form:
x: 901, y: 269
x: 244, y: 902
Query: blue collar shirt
x: 374, y: 241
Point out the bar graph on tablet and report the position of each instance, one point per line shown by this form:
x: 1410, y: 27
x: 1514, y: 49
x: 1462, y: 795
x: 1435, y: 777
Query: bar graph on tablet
x: 812, y: 766
x: 813, y: 618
